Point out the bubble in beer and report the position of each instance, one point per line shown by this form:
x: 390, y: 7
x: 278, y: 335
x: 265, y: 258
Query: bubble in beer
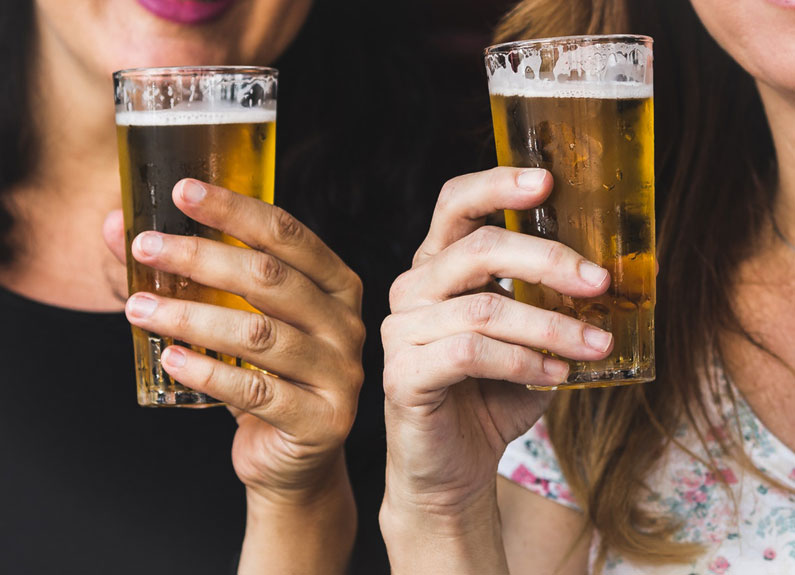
x: 585, y: 113
x: 222, y: 143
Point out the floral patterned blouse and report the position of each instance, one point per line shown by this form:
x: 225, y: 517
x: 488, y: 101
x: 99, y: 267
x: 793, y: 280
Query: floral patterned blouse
x: 759, y: 540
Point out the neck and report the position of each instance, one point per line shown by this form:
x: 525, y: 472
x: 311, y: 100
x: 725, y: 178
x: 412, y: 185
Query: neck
x: 60, y: 209
x: 780, y: 111
x: 765, y: 289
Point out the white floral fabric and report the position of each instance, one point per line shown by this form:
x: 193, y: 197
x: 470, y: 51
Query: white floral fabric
x: 757, y: 540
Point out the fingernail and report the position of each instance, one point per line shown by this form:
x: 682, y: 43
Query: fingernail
x: 597, y: 339
x: 150, y: 243
x: 556, y: 369
x: 193, y: 192
x: 592, y: 274
x: 141, y: 306
x: 531, y: 179
x: 174, y: 357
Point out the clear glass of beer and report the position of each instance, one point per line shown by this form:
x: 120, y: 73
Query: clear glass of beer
x: 582, y: 107
x: 214, y: 124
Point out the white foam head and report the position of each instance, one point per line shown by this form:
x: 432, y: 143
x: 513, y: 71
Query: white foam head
x: 197, y: 114
x: 546, y: 70
x: 552, y: 89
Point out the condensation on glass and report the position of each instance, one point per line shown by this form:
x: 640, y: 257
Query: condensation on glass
x: 582, y: 107
x: 217, y: 125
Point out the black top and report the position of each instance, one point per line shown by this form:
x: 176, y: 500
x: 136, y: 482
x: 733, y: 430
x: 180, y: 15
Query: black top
x: 93, y: 483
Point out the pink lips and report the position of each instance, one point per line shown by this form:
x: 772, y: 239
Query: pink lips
x: 187, y: 11
x: 784, y: 3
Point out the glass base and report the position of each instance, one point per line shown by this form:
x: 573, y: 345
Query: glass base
x: 594, y: 379
x: 156, y: 388
x: 176, y: 398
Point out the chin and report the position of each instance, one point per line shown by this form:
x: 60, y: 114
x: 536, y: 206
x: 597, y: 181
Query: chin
x: 771, y: 63
x: 144, y: 40
x: 758, y: 34
x: 109, y: 35
x: 170, y: 52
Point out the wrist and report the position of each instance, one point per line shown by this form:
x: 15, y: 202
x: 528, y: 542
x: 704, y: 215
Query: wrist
x: 424, y: 537
x: 324, y: 484
x: 308, y: 530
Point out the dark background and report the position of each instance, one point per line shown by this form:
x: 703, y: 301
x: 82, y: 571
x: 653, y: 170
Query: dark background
x: 380, y: 103
x: 378, y: 107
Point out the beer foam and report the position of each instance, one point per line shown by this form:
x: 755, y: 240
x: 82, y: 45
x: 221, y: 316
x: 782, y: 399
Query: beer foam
x: 552, y: 89
x: 550, y: 70
x: 196, y: 116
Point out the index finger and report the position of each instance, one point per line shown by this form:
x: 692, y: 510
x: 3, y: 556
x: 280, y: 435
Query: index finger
x: 269, y: 229
x: 465, y: 201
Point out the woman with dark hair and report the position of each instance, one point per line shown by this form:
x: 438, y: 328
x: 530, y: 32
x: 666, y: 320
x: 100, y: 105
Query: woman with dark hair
x: 92, y: 482
x: 694, y: 473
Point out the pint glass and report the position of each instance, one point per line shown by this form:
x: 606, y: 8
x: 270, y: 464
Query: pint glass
x: 582, y: 108
x: 217, y: 125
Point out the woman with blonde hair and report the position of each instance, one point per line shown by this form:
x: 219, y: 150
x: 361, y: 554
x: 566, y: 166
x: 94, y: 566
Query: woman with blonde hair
x: 691, y: 474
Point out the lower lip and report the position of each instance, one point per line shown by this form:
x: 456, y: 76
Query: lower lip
x: 783, y: 3
x: 187, y: 11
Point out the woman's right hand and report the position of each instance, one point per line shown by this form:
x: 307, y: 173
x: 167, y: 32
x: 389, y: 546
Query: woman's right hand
x: 456, y: 346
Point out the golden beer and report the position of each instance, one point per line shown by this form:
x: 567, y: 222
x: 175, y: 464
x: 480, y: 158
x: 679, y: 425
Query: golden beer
x: 221, y: 143
x: 596, y: 137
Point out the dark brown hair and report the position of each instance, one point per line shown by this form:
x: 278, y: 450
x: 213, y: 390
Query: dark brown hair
x: 16, y: 139
x: 715, y: 172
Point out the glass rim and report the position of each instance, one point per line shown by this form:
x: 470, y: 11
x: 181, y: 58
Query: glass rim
x: 184, y: 71
x: 508, y: 47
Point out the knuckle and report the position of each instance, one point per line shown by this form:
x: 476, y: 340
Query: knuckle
x: 447, y: 194
x: 499, y: 176
x: 483, y: 241
x: 350, y: 331
x: 192, y: 250
x: 394, y: 373
x: 183, y: 317
x: 356, y: 285
x: 516, y: 366
x: 258, y: 392
x: 355, y: 374
x: 357, y: 329
x: 552, y: 327
x: 555, y: 254
x: 481, y: 309
x: 267, y: 270
x: 399, y: 290
x: 421, y: 255
x: 389, y: 327
x: 286, y: 228
x: 341, y: 422
x: 464, y: 350
x: 258, y: 336
x: 390, y: 379
x: 210, y: 376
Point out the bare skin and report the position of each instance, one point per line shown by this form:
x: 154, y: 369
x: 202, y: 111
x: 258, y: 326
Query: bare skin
x: 288, y: 447
x: 79, y: 45
x: 764, y: 296
x: 758, y: 35
x: 453, y: 362
x: 517, y: 531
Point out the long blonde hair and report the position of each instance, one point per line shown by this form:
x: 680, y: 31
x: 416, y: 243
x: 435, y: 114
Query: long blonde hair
x: 714, y: 197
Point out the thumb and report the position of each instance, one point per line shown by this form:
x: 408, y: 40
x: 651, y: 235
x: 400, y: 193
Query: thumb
x: 113, y: 234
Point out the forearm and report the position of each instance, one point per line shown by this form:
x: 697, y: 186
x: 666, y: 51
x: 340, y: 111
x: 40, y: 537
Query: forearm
x: 422, y: 540
x: 313, y: 535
